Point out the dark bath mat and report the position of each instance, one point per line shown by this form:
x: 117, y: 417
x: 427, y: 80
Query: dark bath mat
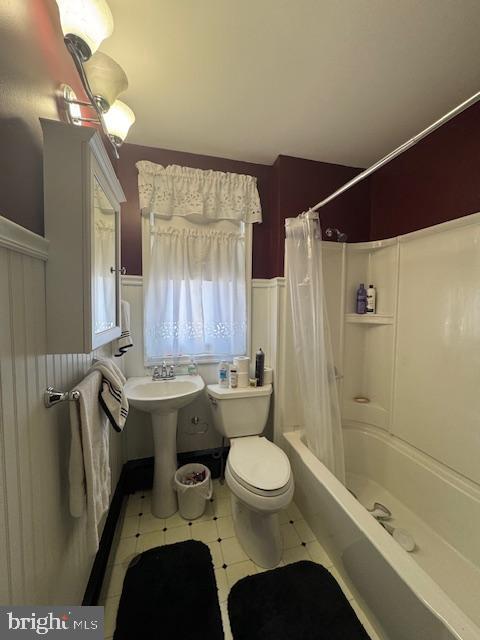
x: 301, y: 601
x: 170, y: 592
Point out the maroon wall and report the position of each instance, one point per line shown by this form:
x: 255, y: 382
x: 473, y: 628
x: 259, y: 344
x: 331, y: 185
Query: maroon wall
x: 436, y: 180
x: 286, y: 189
x: 33, y: 64
x: 300, y: 184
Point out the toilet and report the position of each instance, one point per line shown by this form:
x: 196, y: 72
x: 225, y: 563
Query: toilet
x: 257, y: 472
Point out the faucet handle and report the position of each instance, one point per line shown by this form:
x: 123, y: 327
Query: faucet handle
x: 171, y: 371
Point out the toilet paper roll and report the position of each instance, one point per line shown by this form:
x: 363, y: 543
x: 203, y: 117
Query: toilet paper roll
x: 242, y: 364
x: 268, y: 375
x: 243, y: 380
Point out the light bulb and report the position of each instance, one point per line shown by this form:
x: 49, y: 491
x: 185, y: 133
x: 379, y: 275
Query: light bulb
x: 118, y: 120
x: 85, y: 23
x: 106, y: 78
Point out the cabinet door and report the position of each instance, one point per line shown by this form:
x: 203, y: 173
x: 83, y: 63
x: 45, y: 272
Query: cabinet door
x: 105, y: 265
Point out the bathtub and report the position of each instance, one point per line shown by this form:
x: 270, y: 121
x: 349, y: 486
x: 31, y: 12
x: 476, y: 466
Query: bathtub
x: 402, y: 598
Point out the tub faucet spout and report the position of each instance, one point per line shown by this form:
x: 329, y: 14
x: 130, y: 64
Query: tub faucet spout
x: 380, y: 512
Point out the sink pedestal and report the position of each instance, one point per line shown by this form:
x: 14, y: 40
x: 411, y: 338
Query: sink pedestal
x: 162, y: 399
x: 164, y: 497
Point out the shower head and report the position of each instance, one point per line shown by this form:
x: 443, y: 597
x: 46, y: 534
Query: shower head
x: 335, y: 234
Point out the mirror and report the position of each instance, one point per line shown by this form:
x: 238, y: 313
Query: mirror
x: 104, y: 258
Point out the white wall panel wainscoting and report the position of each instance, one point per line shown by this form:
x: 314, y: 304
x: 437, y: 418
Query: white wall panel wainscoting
x: 43, y: 550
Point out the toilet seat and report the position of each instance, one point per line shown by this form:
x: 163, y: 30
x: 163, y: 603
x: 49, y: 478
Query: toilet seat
x: 261, y: 502
x: 259, y: 466
x: 261, y: 492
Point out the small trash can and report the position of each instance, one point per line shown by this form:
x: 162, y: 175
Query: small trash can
x: 193, y: 484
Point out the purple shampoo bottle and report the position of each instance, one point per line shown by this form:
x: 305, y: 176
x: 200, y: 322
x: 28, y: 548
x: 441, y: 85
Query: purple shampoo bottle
x: 361, y: 299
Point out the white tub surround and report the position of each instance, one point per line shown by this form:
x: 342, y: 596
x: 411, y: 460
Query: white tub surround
x: 414, y: 446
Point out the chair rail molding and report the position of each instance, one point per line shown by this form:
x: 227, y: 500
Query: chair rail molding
x: 258, y: 283
x: 132, y: 281
x: 21, y: 240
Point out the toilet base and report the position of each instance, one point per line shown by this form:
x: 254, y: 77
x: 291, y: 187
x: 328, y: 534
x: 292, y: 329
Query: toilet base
x: 258, y: 533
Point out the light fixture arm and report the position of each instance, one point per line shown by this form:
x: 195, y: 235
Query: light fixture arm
x: 93, y: 104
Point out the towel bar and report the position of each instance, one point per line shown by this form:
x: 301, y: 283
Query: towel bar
x: 53, y: 396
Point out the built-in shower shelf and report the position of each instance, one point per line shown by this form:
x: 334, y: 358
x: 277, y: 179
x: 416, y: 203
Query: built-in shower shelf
x: 355, y: 318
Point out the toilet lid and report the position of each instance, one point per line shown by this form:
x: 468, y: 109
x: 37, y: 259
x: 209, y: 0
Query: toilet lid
x: 259, y: 463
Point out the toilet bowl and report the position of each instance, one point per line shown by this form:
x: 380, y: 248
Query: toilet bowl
x: 259, y: 476
x: 257, y: 473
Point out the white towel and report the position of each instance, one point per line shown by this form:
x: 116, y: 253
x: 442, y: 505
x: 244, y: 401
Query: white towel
x: 112, y: 396
x: 125, y: 340
x: 89, y: 466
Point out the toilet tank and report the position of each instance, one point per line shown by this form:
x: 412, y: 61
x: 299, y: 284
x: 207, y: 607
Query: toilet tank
x: 239, y: 412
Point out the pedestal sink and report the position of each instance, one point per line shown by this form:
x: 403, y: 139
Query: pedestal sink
x: 163, y: 399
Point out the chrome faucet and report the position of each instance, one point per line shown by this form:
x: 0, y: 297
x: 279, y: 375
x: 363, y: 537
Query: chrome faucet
x: 164, y: 372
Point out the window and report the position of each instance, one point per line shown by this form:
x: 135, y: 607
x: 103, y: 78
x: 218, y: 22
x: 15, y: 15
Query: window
x: 196, y: 261
x: 196, y: 289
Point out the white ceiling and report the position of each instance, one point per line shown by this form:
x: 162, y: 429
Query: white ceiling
x: 341, y: 81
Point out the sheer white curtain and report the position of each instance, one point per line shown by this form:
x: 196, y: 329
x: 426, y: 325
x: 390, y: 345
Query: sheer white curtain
x: 312, y: 344
x: 194, y: 289
x: 104, y: 281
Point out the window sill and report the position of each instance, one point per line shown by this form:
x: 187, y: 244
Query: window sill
x: 184, y: 361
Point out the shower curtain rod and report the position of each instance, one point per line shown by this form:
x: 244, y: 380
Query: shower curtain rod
x: 396, y: 152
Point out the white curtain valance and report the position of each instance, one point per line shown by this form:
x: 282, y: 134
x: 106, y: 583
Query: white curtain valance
x: 200, y: 195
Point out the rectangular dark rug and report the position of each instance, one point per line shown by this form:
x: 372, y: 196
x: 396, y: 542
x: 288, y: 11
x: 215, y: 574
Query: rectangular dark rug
x: 170, y: 592
x: 301, y: 601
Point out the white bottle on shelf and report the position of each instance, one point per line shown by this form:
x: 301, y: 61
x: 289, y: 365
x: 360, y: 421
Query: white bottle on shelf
x: 371, y: 299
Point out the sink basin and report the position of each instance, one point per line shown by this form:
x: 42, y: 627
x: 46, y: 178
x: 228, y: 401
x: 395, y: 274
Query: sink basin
x: 162, y: 399
x: 163, y: 396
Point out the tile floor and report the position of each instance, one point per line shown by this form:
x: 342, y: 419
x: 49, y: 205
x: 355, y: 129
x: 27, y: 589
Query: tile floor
x: 140, y: 531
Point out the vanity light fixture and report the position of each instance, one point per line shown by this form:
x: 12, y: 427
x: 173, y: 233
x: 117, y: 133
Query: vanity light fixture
x: 85, y: 24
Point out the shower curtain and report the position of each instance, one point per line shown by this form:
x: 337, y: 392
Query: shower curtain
x: 311, y: 338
